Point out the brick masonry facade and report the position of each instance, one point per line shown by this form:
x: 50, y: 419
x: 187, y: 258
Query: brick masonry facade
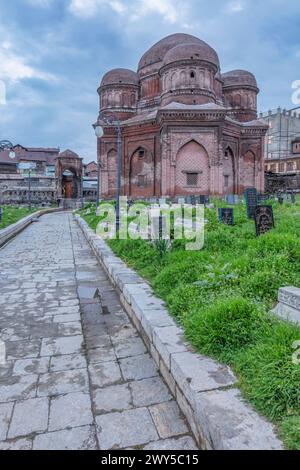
x: 186, y: 129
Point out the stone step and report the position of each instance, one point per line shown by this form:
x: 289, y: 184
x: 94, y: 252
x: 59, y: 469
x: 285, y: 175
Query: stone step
x: 289, y: 304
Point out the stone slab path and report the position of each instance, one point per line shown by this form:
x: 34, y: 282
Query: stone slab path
x: 77, y: 375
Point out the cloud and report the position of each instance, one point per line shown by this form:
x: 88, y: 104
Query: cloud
x: 235, y: 6
x: 89, y: 8
x: 14, y: 68
x: 136, y: 9
x: 166, y: 8
x: 40, y: 3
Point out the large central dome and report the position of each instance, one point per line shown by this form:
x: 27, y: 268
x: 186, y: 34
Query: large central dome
x: 156, y: 53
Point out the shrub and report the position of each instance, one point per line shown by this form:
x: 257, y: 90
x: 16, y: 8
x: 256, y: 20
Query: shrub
x: 267, y: 373
x: 225, y: 327
x: 290, y: 430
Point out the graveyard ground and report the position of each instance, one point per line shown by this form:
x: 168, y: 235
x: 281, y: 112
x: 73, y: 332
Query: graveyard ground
x: 11, y: 214
x: 222, y: 296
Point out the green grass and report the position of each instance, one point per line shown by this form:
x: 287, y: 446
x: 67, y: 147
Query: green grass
x: 11, y: 214
x: 222, y: 296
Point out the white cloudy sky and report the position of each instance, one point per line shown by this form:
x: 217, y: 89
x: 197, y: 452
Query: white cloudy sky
x: 54, y: 52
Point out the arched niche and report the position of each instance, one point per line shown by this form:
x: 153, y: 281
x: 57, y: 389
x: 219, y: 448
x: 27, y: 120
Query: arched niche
x: 192, y: 169
x: 141, y: 173
x: 249, y: 169
x: 229, y: 171
x: 112, y: 171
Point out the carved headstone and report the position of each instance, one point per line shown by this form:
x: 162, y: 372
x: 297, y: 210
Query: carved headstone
x: 226, y: 216
x: 264, y: 219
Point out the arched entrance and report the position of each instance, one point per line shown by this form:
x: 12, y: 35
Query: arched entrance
x: 192, y: 170
x: 69, y: 185
x: 229, y: 172
x: 69, y: 175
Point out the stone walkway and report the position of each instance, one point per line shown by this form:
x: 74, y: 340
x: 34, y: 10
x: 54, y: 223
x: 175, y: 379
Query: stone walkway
x: 77, y: 374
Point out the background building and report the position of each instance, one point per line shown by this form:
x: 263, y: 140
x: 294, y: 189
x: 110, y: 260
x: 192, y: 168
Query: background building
x: 54, y: 176
x: 282, y: 149
x: 186, y: 128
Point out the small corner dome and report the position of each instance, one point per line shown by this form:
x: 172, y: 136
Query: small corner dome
x: 192, y: 51
x: 120, y: 76
x: 239, y: 78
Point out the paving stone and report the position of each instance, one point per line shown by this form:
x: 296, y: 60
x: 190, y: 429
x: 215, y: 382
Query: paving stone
x: 69, y: 329
x: 72, y: 410
x: 68, y: 317
x: 57, y: 383
x: 99, y: 341
x: 102, y: 355
x: 129, y: 428
x: 168, y: 419
x: 149, y: 392
x: 83, y: 438
x: 44, y: 330
x: 95, y: 329
x: 113, y: 398
x: 18, y: 388
x: 29, y: 416
x: 31, y: 366
x: 124, y: 333
x: 6, y: 370
x: 5, y: 415
x: 107, y: 373
x: 16, y: 444
x: 183, y: 443
x: 67, y: 362
x: 64, y: 345
x: 130, y: 347
x: 22, y: 349
x: 138, y: 367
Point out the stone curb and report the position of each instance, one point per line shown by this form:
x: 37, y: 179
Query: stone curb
x: 11, y: 231
x: 205, y: 390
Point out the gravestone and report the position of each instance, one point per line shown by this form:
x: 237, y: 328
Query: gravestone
x: 202, y: 199
x: 226, y: 216
x: 293, y: 198
x: 280, y: 199
x: 230, y: 199
x: 1, y: 214
x: 264, y: 219
x: 181, y: 201
x: 262, y: 198
x: 251, y: 201
x: 191, y: 200
x: 153, y: 200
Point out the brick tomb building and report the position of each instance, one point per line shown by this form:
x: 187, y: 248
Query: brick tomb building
x: 186, y: 128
